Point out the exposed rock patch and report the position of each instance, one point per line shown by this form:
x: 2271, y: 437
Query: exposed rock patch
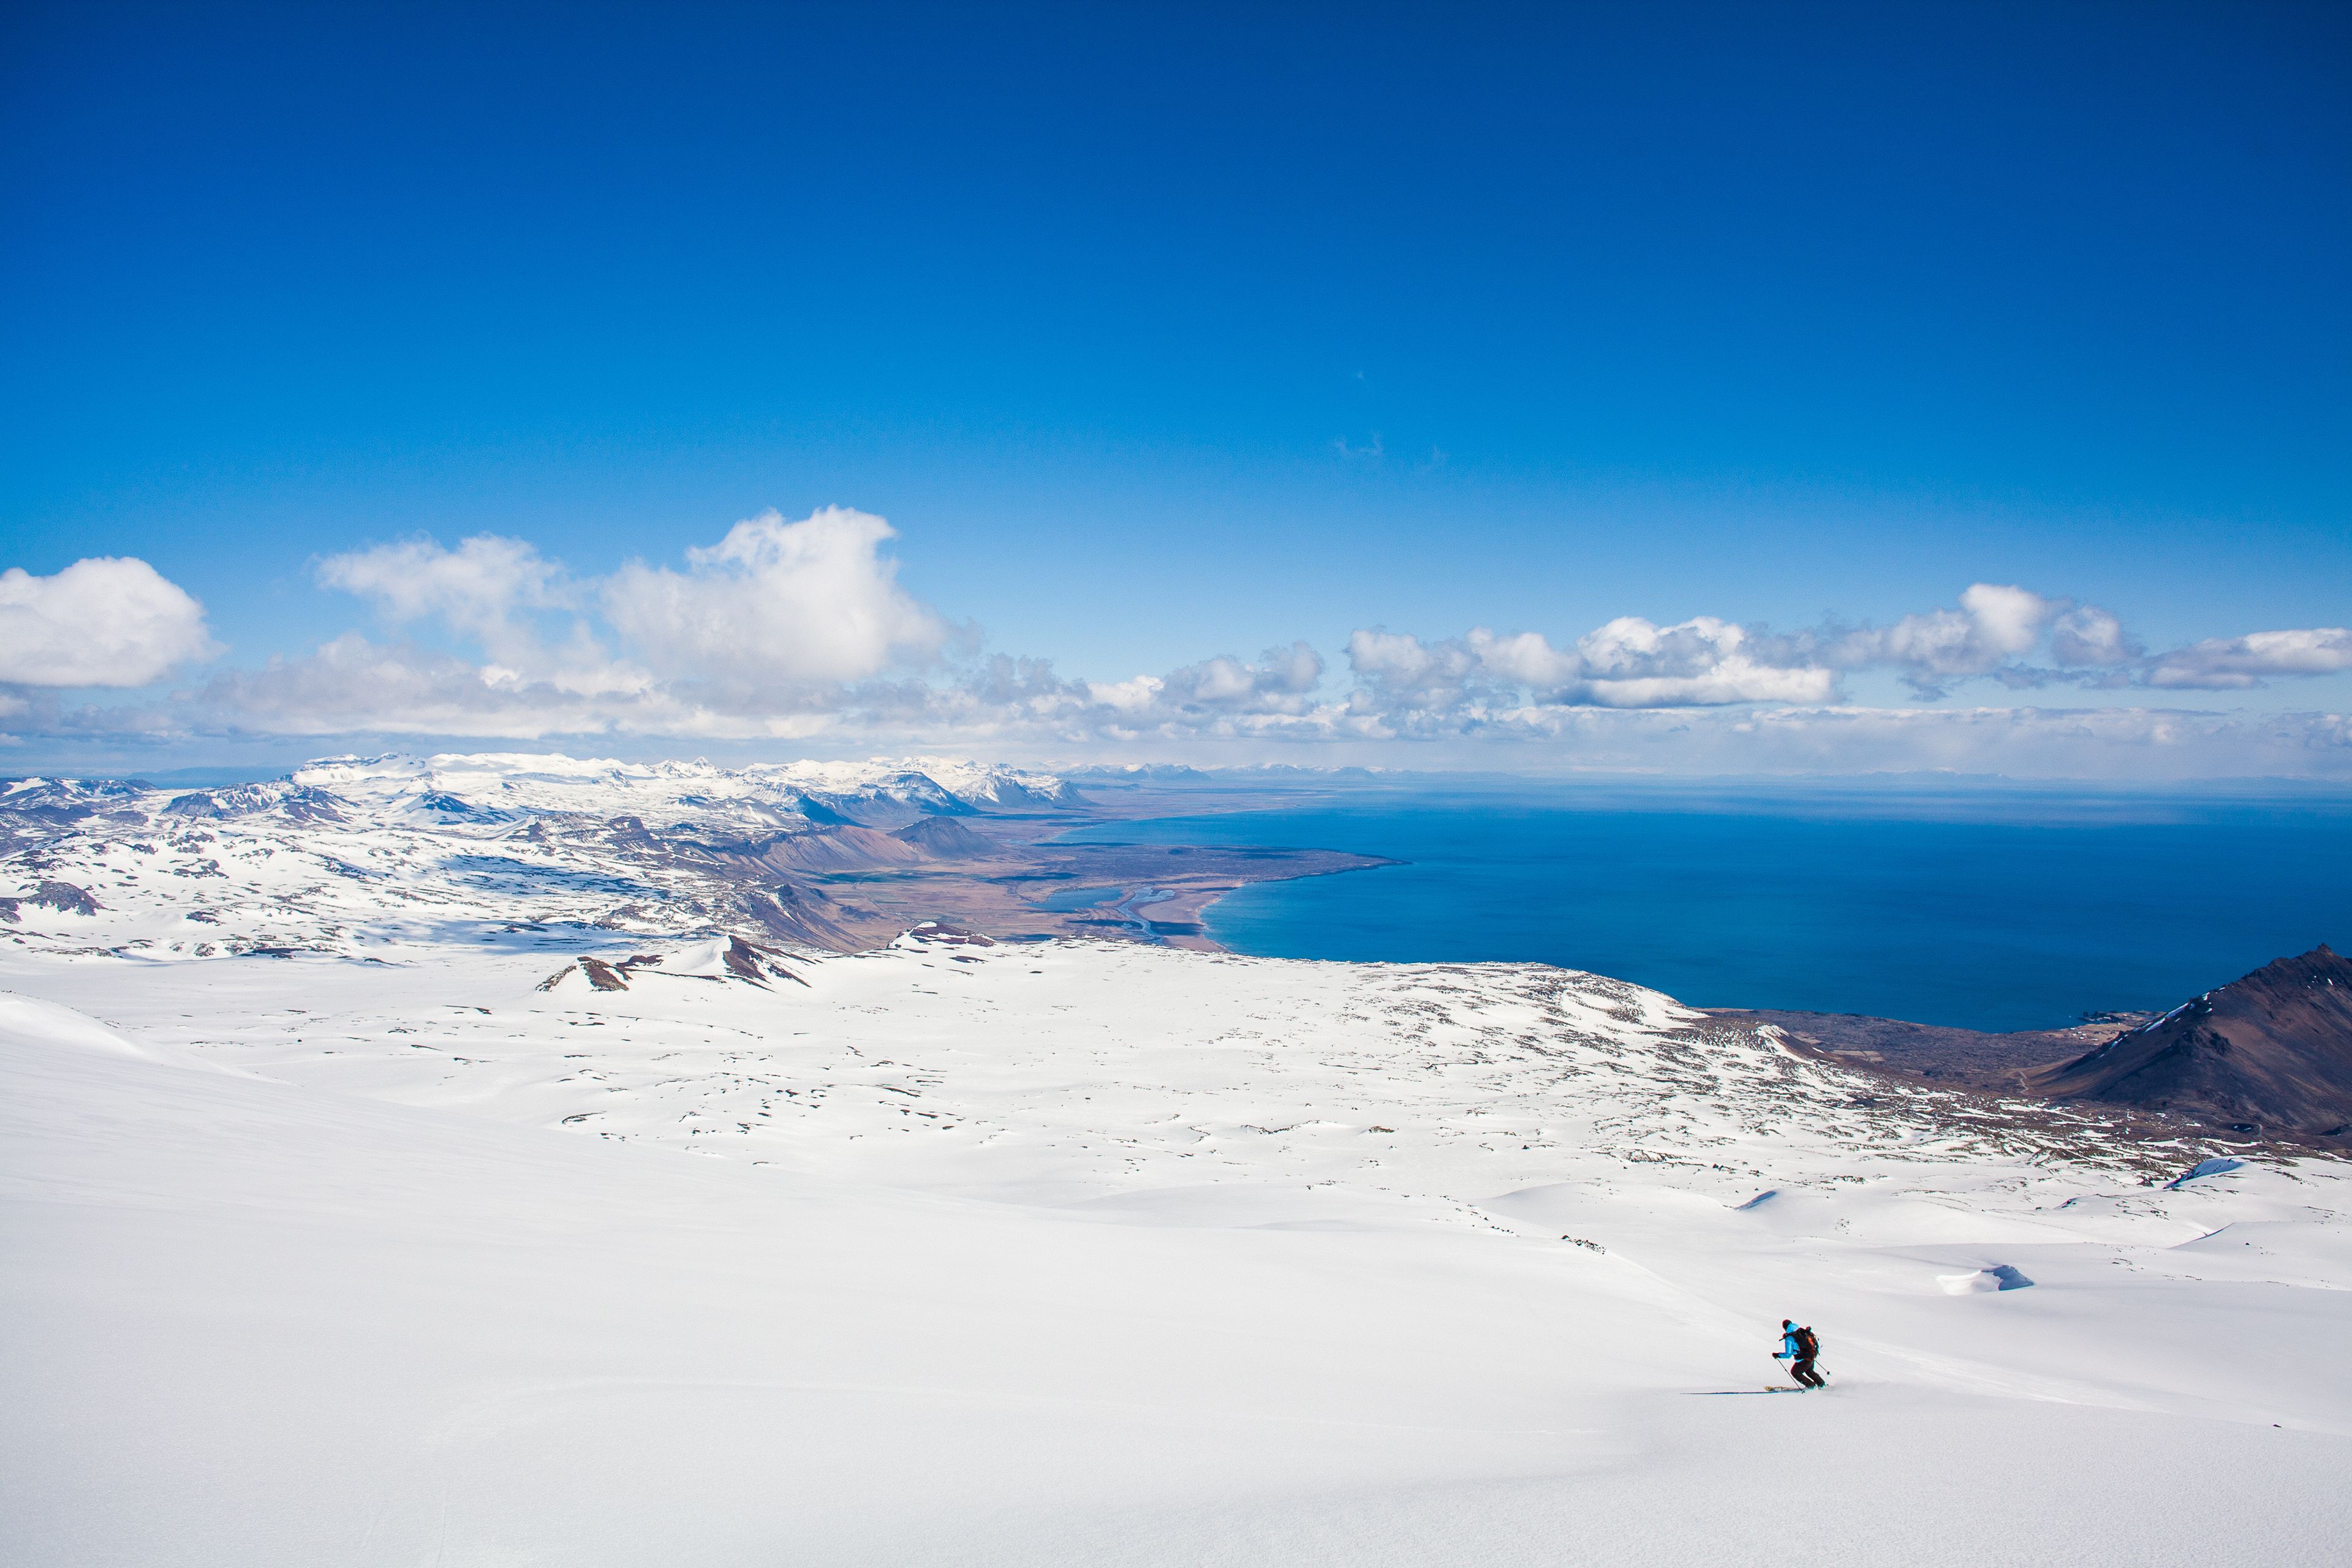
x: 835, y: 849
x: 948, y: 936
x: 749, y: 961
x: 944, y: 838
x: 2269, y: 1055
x: 294, y: 802
x: 62, y: 896
x: 2273, y: 1050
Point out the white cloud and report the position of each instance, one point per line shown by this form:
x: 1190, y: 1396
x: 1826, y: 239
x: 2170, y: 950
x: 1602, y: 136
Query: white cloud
x: 493, y: 590
x: 1140, y: 694
x: 355, y: 686
x: 1526, y: 659
x: 1993, y: 625
x: 2090, y: 637
x: 774, y: 602
x: 106, y: 622
x: 1700, y: 662
x: 1399, y: 664
x: 1279, y: 683
x: 2139, y: 744
x: 1996, y: 631
x: 2224, y: 664
x: 481, y: 590
x: 777, y: 630
x: 798, y: 632
x: 1628, y: 662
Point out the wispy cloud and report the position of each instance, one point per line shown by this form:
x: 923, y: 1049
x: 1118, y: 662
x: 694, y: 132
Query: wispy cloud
x: 2226, y: 663
x: 483, y: 588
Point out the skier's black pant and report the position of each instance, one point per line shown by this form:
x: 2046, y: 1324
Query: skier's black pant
x: 1802, y: 1371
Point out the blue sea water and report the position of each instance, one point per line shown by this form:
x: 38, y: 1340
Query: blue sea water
x: 1982, y: 911
x: 1064, y: 900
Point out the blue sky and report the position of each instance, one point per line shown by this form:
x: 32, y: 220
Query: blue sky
x: 1166, y: 334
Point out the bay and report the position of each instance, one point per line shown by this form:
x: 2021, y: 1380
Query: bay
x: 1978, y: 910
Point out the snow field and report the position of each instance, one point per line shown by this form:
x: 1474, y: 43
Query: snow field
x: 1083, y: 1253
x: 376, y: 1252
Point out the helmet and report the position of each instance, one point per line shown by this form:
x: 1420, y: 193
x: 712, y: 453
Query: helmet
x: 1787, y: 1322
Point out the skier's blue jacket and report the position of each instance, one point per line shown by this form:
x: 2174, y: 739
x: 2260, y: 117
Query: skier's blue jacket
x: 1788, y: 1345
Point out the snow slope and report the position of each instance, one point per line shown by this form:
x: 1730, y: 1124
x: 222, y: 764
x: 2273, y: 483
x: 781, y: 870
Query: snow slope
x: 1074, y: 1253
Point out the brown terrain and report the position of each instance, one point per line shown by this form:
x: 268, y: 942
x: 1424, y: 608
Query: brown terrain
x: 848, y: 884
x: 840, y: 872
x: 2268, y: 1056
x: 1931, y: 1053
x: 2274, y: 1049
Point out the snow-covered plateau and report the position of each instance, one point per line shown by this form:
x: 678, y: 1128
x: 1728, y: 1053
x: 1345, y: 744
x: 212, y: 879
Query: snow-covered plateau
x: 433, y: 1163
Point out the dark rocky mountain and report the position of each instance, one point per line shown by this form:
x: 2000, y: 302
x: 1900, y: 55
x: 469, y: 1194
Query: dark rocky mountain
x: 2267, y: 1055
x: 792, y: 911
x: 944, y: 838
x: 826, y: 850
x: 2272, y: 1051
x: 829, y: 812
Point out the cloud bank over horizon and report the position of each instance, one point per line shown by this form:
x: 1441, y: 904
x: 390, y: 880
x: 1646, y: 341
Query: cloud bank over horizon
x: 798, y: 634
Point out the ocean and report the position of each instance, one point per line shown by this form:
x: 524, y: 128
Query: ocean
x: 1989, y: 910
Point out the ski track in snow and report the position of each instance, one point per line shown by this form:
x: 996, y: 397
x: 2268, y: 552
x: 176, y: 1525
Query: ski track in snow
x: 1065, y: 1252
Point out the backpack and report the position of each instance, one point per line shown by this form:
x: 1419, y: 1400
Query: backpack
x: 1808, y: 1346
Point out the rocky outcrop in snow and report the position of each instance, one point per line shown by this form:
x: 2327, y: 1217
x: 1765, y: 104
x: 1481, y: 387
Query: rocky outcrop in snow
x: 62, y: 896
x: 294, y: 802
x: 2270, y: 1050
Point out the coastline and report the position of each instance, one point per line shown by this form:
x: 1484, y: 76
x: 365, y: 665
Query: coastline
x: 1178, y: 918
x: 1154, y: 893
x: 1740, y: 903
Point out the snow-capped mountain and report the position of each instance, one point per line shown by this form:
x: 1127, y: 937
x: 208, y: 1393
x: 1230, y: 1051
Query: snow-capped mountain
x: 669, y: 794
x: 351, y: 854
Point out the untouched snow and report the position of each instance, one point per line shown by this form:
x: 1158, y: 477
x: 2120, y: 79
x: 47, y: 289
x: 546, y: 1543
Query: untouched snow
x: 1063, y: 1253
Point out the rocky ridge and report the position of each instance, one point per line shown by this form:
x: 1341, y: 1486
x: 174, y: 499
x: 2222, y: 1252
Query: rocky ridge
x: 2270, y: 1050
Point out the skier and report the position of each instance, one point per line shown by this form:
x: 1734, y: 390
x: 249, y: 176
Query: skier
x: 1798, y: 1348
